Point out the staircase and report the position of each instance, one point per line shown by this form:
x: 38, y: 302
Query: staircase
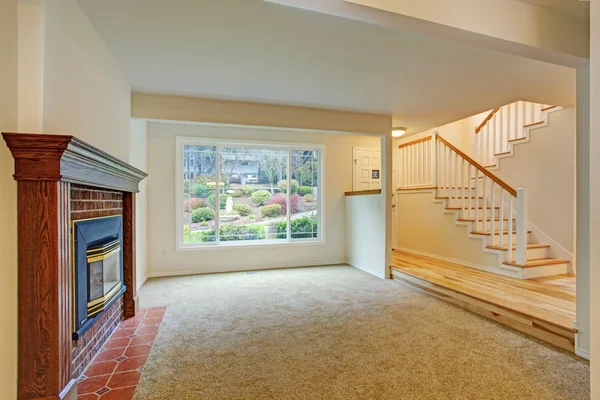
x: 494, y: 211
x: 506, y: 127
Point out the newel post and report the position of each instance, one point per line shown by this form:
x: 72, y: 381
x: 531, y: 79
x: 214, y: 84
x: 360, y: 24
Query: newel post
x: 521, y: 227
x: 434, y: 160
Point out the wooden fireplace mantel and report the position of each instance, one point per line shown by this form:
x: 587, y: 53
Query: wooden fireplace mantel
x: 45, y: 168
x: 68, y: 159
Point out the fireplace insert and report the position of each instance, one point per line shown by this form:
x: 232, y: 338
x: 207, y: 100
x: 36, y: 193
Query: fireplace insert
x: 97, y: 269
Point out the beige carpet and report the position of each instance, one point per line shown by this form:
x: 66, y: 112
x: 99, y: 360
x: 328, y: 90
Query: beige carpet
x: 338, y: 333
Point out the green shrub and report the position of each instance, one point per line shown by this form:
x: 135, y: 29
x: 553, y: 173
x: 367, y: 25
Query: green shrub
x: 222, y: 200
x: 270, y: 211
x: 304, y: 227
x: 203, y: 223
x: 236, y: 193
x: 283, y: 186
x: 242, y: 209
x: 200, y: 190
x: 194, y: 204
x: 248, y: 190
x: 251, y: 216
x: 308, y: 198
x: 230, y: 233
x: 203, y: 214
x: 186, y: 230
x: 260, y: 197
x: 241, y: 232
x: 304, y: 190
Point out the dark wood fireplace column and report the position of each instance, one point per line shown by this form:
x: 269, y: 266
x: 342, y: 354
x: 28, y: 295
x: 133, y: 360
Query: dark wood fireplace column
x: 45, y: 168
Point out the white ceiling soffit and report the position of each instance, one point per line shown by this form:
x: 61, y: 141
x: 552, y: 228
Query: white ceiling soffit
x: 251, y: 50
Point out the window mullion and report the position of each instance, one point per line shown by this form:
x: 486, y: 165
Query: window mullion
x: 289, y: 197
x: 218, y: 195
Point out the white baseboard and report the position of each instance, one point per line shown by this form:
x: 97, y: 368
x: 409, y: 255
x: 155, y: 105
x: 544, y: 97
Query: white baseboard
x: 500, y: 271
x: 367, y: 270
x: 159, y: 274
x: 583, y: 353
x: 140, y: 284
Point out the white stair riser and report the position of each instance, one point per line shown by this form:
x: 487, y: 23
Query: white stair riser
x: 545, y: 270
x: 504, y: 239
x: 470, y: 214
x: 479, y: 227
x: 531, y: 254
x: 459, y: 203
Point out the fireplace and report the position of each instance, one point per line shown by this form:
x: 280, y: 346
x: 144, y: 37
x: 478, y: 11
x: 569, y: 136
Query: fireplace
x: 97, y: 269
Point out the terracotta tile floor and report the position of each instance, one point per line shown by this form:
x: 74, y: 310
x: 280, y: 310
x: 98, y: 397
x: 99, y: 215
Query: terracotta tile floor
x: 116, y: 370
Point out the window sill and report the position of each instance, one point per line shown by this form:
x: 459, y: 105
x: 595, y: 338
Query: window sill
x: 242, y: 245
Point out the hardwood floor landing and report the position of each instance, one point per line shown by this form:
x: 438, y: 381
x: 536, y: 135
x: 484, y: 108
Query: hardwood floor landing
x: 535, y: 306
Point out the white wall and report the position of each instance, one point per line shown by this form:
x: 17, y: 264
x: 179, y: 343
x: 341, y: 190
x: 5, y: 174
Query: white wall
x: 594, y: 182
x: 163, y: 259
x: 85, y: 91
x: 459, y: 133
x: 8, y: 201
x: 423, y: 226
x: 56, y: 76
x: 545, y: 168
x: 139, y: 158
x: 365, y: 233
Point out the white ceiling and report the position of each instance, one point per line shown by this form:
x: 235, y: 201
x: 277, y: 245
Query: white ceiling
x: 256, y: 51
x: 574, y: 8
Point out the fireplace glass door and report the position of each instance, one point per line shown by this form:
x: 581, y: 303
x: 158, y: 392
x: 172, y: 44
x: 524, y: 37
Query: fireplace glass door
x: 104, y: 275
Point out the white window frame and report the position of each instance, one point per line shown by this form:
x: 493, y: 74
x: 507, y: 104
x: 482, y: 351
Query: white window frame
x: 181, y: 141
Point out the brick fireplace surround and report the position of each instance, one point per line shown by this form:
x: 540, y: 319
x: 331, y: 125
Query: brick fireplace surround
x: 61, y: 179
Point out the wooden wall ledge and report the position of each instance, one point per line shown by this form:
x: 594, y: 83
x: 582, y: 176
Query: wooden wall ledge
x: 363, y: 192
x: 65, y: 158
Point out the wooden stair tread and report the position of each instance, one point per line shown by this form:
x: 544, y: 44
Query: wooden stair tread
x: 533, y: 124
x: 537, y: 262
x: 489, y: 166
x: 487, y: 219
x: 548, y: 108
x: 502, y: 154
x: 448, y: 197
x: 495, y: 233
x: 516, y: 139
x: 471, y: 208
x: 529, y: 246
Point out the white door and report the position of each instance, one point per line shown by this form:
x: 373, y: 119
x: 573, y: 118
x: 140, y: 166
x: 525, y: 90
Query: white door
x: 367, y: 168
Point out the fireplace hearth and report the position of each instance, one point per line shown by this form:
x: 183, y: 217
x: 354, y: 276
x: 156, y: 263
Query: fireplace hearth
x: 97, y: 269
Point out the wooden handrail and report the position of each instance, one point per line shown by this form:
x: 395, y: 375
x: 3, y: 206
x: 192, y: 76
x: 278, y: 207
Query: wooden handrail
x: 415, y: 142
x: 480, y: 167
x: 485, y: 121
x: 363, y: 192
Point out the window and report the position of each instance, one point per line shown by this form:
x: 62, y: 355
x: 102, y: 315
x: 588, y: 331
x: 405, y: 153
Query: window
x: 234, y: 193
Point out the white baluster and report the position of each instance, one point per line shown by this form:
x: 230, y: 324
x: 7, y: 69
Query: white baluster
x: 456, y: 176
x: 501, y: 133
x: 493, y: 220
x: 501, y: 203
x: 462, y: 184
x: 523, y: 118
x: 521, y: 227
x: 448, y: 169
x: 484, y: 202
x: 510, y: 228
x: 469, y: 192
x: 476, y: 199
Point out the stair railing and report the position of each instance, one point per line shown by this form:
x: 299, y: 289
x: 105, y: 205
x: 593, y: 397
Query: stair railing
x: 416, y: 163
x: 471, y: 185
x: 502, y: 126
